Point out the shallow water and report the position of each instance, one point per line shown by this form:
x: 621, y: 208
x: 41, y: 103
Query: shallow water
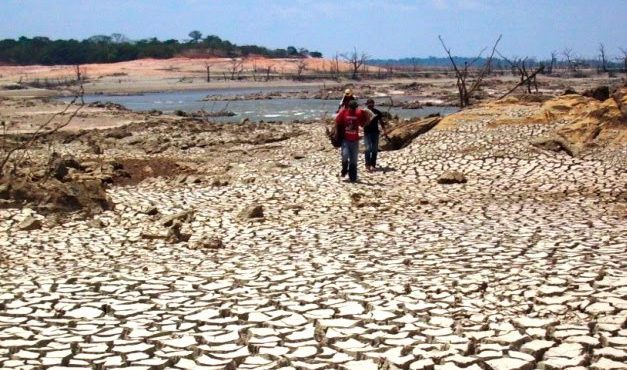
x: 286, y: 110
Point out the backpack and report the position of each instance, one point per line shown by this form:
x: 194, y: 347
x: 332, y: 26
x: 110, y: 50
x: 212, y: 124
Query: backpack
x: 335, y: 134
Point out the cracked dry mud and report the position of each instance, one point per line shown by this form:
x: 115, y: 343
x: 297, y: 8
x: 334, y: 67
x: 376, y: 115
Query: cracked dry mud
x: 521, y: 267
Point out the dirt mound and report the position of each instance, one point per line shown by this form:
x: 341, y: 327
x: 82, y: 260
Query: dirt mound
x: 588, y: 122
x: 53, y: 195
x: 61, y: 183
x: 600, y: 93
x: 134, y: 171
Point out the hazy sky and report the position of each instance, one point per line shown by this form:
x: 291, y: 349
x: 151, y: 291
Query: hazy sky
x: 382, y: 28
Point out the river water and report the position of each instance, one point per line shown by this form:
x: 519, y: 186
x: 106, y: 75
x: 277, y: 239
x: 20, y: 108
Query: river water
x: 285, y: 110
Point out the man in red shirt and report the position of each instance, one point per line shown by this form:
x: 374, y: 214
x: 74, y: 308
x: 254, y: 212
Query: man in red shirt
x: 348, y: 122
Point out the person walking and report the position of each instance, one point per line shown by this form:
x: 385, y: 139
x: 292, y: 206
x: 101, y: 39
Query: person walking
x: 348, y: 122
x: 346, y: 98
x: 371, y: 135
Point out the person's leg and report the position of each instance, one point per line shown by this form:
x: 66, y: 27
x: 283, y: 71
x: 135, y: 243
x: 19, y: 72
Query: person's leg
x: 374, y: 140
x: 344, y: 154
x: 352, y: 160
x: 368, y: 151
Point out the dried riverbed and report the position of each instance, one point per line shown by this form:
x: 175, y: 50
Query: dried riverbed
x: 287, y: 266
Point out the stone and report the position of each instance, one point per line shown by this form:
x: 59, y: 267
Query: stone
x: 254, y: 211
x: 151, y: 211
x: 96, y: 223
x: 208, y: 243
x: 182, y: 217
x: 452, y: 177
x: 5, y: 191
x: 29, y: 224
x: 556, y: 144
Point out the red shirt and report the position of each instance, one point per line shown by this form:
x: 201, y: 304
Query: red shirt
x: 350, y: 120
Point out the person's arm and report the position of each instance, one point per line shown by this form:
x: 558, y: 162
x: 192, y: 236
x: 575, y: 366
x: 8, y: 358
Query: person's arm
x: 384, y: 125
x: 341, y: 104
x: 368, y: 117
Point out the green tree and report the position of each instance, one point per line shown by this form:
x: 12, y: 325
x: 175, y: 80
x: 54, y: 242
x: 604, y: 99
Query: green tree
x: 195, y: 36
x: 119, y: 38
x: 292, y: 51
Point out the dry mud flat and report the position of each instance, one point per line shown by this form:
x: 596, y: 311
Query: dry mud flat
x: 520, y: 267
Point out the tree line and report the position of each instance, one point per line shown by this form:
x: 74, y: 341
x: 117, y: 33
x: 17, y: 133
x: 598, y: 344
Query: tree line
x: 564, y: 59
x: 118, y: 48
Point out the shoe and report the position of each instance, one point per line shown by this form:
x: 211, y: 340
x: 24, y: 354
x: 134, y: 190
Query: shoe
x: 352, y: 171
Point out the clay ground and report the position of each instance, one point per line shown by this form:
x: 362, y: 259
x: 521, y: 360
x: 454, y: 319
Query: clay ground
x: 520, y: 267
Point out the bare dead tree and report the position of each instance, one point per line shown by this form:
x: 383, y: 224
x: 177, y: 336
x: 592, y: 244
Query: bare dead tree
x: 208, y: 69
x: 268, y: 71
x: 521, y: 66
x: 80, y: 79
x: 553, y: 62
x: 462, y: 74
x: 602, y: 56
x: 254, y: 70
x: 356, y: 60
x: 236, y: 67
x: 414, y: 64
x: 335, y: 66
x: 46, y: 128
x: 623, y: 58
x: 300, y: 68
x: 568, y: 54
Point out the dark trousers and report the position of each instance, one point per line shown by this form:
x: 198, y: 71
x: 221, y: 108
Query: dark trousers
x: 371, y: 141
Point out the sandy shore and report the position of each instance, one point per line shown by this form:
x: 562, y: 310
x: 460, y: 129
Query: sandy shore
x: 179, y: 74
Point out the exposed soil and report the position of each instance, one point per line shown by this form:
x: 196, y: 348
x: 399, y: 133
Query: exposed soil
x: 137, y: 170
x: 241, y: 246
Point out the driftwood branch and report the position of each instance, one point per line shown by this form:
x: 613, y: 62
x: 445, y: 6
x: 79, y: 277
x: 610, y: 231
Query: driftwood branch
x: 531, y: 76
x: 43, y: 130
